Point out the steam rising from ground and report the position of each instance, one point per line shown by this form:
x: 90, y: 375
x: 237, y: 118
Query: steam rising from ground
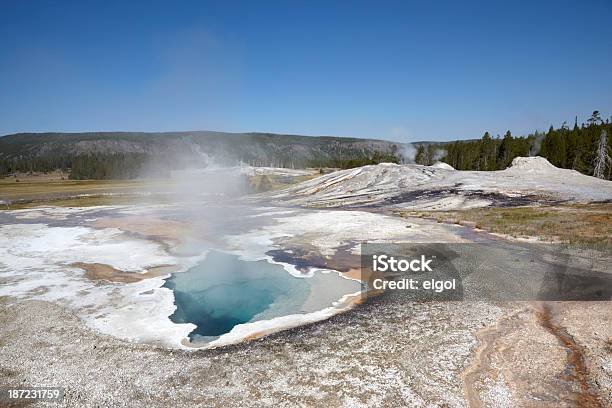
x: 439, y: 154
x: 195, y: 177
x: 407, y: 152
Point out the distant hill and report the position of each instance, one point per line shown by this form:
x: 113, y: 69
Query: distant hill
x: 129, y: 152
x: 119, y: 155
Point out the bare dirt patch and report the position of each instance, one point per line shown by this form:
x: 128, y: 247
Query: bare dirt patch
x: 98, y: 271
x: 151, y: 227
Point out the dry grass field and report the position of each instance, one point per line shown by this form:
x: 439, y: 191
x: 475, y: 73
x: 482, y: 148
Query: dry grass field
x: 26, y: 191
x: 580, y: 224
x: 30, y: 190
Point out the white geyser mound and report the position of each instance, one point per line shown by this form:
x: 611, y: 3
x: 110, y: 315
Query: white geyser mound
x: 442, y: 165
x: 532, y: 164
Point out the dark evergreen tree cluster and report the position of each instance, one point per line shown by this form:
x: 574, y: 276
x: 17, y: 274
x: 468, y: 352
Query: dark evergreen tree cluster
x: 573, y: 148
x: 42, y: 164
x: 487, y: 153
x: 115, y: 166
x: 353, y: 160
x: 428, y: 154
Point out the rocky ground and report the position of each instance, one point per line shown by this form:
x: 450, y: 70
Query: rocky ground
x: 379, y: 354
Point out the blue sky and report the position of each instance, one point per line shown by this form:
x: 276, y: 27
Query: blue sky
x: 400, y: 70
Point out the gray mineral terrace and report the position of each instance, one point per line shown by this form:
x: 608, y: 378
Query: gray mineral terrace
x: 440, y: 187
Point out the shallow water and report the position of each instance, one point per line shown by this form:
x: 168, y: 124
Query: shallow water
x: 223, y: 291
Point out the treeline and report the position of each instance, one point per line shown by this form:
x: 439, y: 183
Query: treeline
x: 121, y: 166
x: 485, y: 154
x: 356, y: 161
x: 41, y: 164
x: 576, y: 148
x: 119, y: 155
x: 583, y: 148
x: 98, y: 166
x: 101, y: 166
x: 116, y: 166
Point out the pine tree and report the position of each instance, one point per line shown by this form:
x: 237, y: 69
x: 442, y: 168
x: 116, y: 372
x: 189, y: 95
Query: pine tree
x: 420, y: 155
x: 505, y: 150
x: 487, y: 160
x: 431, y: 150
x: 595, y: 118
